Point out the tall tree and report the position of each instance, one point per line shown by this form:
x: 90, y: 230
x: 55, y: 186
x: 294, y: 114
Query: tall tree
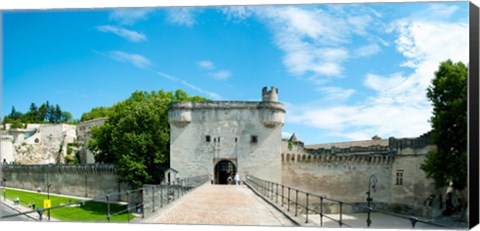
x: 42, y: 112
x: 448, y: 94
x: 57, y: 114
x: 136, y: 136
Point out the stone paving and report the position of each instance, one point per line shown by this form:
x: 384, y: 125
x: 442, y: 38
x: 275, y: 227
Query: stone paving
x: 220, y: 205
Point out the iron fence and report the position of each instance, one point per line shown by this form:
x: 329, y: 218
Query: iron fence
x: 295, y: 202
x: 136, y: 202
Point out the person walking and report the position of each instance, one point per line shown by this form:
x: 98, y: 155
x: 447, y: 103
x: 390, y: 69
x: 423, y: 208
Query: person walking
x: 237, y: 178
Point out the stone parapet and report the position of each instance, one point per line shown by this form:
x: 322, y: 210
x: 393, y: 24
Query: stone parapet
x: 60, y: 168
x: 412, y: 143
x: 228, y: 105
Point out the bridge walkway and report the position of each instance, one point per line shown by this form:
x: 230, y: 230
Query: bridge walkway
x: 220, y: 205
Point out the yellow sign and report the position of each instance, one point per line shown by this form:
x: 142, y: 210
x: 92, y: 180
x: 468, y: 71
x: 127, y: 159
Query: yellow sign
x: 47, y: 203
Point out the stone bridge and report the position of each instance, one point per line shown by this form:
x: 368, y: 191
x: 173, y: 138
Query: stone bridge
x: 215, y: 204
x: 220, y: 205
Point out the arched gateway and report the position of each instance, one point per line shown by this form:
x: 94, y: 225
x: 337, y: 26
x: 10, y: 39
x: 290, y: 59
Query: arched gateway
x: 223, y: 170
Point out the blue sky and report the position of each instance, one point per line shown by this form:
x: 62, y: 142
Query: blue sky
x: 344, y: 71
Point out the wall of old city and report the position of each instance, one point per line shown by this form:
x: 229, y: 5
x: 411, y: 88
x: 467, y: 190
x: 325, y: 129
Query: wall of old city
x: 92, y: 181
x: 344, y: 174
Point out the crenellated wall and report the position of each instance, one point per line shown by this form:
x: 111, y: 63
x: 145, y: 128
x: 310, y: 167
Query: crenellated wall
x: 344, y: 173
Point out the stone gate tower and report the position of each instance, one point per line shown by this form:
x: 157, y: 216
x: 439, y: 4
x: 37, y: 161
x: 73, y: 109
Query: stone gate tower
x: 222, y: 138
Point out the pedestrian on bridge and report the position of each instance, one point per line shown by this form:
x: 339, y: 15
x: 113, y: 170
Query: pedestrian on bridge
x: 237, y: 178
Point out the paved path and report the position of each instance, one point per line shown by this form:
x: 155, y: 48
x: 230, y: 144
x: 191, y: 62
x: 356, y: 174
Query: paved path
x: 220, y: 205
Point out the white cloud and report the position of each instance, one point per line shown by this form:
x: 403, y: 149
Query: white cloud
x: 124, y: 33
x: 222, y: 74
x: 237, y: 13
x: 213, y: 70
x: 135, y: 59
x: 361, y: 122
x: 286, y: 135
x: 206, y: 64
x: 181, y: 16
x: 399, y: 106
x: 315, y: 40
x: 336, y: 93
x: 383, y: 84
x: 367, y: 50
x: 211, y: 95
x: 129, y: 16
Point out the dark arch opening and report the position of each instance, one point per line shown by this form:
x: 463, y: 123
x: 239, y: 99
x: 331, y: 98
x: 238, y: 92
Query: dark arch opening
x: 223, y: 170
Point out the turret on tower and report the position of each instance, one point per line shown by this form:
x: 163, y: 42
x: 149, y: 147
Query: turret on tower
x: 271, y: 95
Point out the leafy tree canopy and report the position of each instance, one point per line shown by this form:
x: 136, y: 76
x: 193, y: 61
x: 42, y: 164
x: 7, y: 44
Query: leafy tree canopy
x: 95, y: 113
x: 46, y: 113
x: 448, y: 94
x: 136, y: 136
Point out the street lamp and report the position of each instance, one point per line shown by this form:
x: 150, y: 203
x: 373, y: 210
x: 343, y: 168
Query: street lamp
x: 371, y: 185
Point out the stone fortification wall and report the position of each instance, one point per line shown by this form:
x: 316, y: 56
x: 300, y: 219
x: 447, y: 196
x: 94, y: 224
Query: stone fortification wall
x: 344, y: 173
x: 342, y: 177
x: 246, y: 133
x: 414, y: 187
x: 90, y: 181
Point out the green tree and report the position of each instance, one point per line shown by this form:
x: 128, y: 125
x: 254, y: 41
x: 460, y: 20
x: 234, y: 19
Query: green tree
x: 66, y: 117
x: 136, y: 136
x: 16, y: 124
x: 42, y: 112
x: 448, y: 94
x: 15, y: 114
x: 95, y: 113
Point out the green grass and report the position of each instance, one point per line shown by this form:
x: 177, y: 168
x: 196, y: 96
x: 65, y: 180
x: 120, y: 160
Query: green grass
x: 91, y: 211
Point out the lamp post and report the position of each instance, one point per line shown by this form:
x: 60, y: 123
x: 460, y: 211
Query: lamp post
x: 371, y: 185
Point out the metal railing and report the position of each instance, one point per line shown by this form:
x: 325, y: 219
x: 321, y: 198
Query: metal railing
x: 157, y: 196
x: 295, y: 201
x: 136, y: 200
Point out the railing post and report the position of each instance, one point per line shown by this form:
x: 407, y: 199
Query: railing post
x: 413, y: 220
x: 40, y: 213
x: 340, y: 221
x: 282, y: 194
x: 276, y: 199
x: 321, y: 211
x: 128, y: 208
x: 288, y: 205
x: 161, y: 195
x: 153, y: 198
x: 168, y: 193
x: 142, y: 206
x: 178, y: 190
x: 108, y: 208
x: 264, y: 188
x: 306, y: 210
x: 296, y: 201
x: 271, y: 191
